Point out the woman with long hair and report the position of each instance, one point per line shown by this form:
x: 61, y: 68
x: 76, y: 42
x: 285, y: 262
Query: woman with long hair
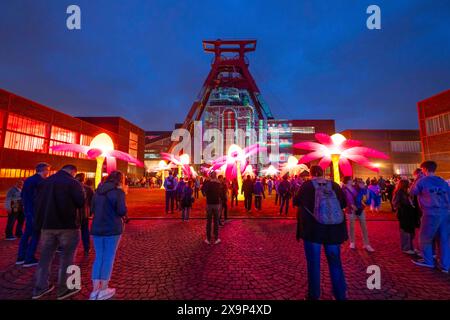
x: 109, y: 210
x: 408, y: 216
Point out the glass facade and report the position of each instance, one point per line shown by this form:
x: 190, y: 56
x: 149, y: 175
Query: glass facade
x: 61, y: 136
x: 405, y: 168
x: 25, y: 134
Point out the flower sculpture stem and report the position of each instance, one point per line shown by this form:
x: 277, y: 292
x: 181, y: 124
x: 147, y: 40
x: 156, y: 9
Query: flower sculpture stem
x: 239, y: 180
x: 335, y: 162
x: 99, y: 170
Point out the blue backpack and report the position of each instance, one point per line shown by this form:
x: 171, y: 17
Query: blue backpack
x: 327, y: 209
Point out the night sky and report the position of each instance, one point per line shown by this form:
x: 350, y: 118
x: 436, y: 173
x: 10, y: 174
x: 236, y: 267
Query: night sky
x: 143, y: 60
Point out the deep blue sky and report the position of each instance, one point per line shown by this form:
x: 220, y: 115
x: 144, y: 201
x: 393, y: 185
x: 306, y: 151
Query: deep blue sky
x: 143, y: 60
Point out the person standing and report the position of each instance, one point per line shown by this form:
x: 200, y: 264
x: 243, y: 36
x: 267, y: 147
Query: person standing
x: 196, y: 187
x: 179, y: 192
x: 276, y: 186
x: 389, y: 191
x: 258, y: 190
x: 224, y: 203
x: 85, y: 212
x: 270, y: 186
x: 14, y: 209
x: 355, y: 210
x: 30, y: 238
x: 170, y: 184
x: 407, y: 215
x: 284, y: 190
x: 110, y: 210
x: 58, y: 206
x: 187, y: 200
x: 433, y: 194
x: 212, y: 190
x: 318, y: 199
x: 374, y: 196
x: 234, y: 192
x: 247, y: 191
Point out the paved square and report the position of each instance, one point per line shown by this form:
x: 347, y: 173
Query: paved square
x: 258, y: 259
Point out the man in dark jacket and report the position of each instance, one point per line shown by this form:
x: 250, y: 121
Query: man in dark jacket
x: 284, y: 189
x: 213, y: 191
x: 247, y: 191
x: 315, y: 234
x: 57, y: 216
x: 30, y: 238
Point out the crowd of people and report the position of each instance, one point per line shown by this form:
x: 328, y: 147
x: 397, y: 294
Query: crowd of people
x: 57, y: 209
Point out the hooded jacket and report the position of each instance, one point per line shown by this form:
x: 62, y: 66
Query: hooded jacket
x: 108, y: 208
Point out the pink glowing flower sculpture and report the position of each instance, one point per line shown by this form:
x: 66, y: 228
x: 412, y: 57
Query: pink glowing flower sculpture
x: 339, y: 151
x: 235, y: 160
x: 101, y: 148
x: 182, y: 162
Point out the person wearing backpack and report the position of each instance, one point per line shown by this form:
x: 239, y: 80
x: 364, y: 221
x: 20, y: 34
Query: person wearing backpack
x: 321, y: 222
x: 170, y: 184
x: 187, y: 200
x: 433, y: 195
x: 284, y: 190
x: 355, y: 210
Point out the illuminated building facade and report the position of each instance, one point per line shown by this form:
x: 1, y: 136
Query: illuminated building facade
x: 28, y: 130
x: 434, y: 124
x: 290, y: 132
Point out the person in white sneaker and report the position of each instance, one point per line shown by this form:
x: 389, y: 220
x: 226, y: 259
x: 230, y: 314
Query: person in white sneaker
x: 355, y: 209
x: 109, y: 210
x: 433, y: 194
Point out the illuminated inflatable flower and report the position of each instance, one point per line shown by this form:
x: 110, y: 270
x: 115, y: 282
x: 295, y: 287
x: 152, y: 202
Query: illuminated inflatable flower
x: 339, y: 151
x: 101, y: 148
x: 182, y: 162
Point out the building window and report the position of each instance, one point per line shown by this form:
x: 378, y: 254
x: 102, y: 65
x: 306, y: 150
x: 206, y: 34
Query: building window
x: 24, y: 142
x: 61, y: 136
x: 304, y: 130
x: 405, y: 146
x: 15, y: 173
x: 438, y: 124
x: 133, y: 144
x: 229, y: 120
x: 25, y: 134
x: 405, y: 168
x: 85, y: 140
x: 25, y: 125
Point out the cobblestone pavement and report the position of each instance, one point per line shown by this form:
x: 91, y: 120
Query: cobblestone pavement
x: 258, y: 259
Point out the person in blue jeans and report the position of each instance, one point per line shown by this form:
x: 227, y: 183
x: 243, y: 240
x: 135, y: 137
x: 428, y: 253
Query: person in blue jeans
x: 170, y: 184
x: 316, y: 235
x: 433, y: 195
x: 109, y: 210
x: 30, y: 238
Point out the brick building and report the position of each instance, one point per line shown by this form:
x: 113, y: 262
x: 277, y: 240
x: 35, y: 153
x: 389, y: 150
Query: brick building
x: 434, y: 124
x: 28, y: 130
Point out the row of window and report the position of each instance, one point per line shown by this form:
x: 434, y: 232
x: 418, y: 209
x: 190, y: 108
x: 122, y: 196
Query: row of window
x: 438, y: 124
x: 31, y: 135
x: 406, y: 146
